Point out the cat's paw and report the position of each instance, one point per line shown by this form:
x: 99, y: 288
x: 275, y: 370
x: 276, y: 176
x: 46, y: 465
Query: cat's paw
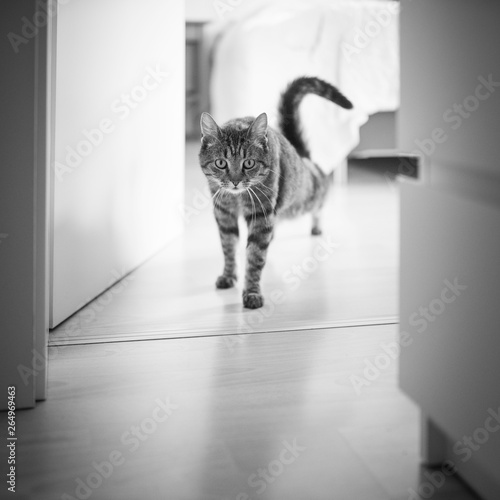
x: 225, y: 282
x: 252, y: 300
x: 316, y: 231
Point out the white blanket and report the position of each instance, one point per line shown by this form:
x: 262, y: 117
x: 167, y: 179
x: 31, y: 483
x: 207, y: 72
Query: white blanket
x: 265, y: 44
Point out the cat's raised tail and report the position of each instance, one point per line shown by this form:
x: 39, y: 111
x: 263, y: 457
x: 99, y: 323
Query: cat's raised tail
x: 291, y: 98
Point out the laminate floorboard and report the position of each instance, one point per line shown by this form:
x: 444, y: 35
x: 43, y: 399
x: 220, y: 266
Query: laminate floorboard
x: 258, y: 416
x: 348, y: 276
x: 164, y: 388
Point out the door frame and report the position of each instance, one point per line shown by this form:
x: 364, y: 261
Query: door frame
x: 45, y: 126
x: 27, y: 50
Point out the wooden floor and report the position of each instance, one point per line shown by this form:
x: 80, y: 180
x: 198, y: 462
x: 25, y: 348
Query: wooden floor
x: 346, y: 277
x: 212, y: 419
x: 237, y: 414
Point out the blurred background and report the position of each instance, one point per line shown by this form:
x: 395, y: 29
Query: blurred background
x: 241, y: 55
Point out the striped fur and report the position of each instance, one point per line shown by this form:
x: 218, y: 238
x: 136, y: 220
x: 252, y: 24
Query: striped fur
x: 263, y: 175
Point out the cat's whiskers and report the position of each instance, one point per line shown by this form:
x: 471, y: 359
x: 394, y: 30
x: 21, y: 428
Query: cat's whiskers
x: 267, y: 187
x: 217, y: 197
x: 218, y: 201
x: 263, y: 209
x: 221, y: 197
x: 254, y: 210
x: 260, y: 190
x: 216, y: 193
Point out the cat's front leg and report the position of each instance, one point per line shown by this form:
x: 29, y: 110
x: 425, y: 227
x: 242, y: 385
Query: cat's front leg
x: 227, y: 221
x: 260, y: 234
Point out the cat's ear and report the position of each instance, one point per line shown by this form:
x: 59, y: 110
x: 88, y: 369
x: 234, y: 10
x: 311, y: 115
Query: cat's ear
x: 209, y: 128
x: 258, y: 130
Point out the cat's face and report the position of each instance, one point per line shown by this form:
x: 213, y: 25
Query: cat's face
x: 236, y: 157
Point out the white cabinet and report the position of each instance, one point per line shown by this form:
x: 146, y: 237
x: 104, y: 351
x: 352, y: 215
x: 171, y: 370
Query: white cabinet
x: 450, y: 233
x: 450, y: 301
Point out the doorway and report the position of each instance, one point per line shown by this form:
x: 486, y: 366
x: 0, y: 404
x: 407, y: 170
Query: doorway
x: 346, y: 277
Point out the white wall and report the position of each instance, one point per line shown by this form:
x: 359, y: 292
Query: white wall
x: 120, y: 69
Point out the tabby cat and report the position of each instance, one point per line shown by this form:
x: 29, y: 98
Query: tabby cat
x: 262, y: 174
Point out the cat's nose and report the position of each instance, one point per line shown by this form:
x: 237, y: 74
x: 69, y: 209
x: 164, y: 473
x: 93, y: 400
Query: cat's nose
x: 235, y: 183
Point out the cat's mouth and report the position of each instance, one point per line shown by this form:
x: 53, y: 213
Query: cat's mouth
x: 235, y: 190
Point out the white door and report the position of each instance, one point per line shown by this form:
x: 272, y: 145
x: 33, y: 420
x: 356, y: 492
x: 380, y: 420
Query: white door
x: 119, y: 142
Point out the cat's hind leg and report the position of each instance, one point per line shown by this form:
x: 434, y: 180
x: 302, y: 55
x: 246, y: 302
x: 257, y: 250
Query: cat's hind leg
x: 316, y: 224
x: 324, y: 183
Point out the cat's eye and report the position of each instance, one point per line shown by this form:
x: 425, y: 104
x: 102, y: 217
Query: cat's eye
x: 248, y: 164
x: 221, y: 164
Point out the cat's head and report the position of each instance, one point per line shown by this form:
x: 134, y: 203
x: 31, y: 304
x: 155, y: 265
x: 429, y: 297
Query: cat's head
x: 236, y: 156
